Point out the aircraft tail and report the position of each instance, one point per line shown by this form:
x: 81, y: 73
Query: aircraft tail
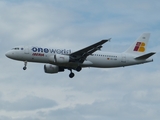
x: 140, y: 45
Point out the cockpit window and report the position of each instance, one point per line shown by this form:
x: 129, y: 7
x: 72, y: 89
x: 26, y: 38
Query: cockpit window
x: 16, y: 48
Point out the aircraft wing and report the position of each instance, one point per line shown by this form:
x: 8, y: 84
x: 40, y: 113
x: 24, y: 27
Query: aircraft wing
x: 80, y: 55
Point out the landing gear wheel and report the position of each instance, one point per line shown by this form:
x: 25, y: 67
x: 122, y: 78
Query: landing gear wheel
x: 78, y: 69
x: 25, y: 64
x: 24, y: 68
x: 71, y: 75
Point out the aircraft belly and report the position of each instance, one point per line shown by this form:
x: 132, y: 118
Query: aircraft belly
x: 87, y: 64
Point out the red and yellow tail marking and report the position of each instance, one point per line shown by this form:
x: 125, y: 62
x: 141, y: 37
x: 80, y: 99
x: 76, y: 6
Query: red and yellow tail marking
x: 140, y: 47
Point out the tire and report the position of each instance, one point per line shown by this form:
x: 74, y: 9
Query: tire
x: 71, y: 75
x: 24, y: 68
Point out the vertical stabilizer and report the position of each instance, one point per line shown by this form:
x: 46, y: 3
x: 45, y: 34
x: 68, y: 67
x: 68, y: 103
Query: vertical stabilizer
x: 139, y: 46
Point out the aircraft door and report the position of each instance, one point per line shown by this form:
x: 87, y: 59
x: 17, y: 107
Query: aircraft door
x: 26, y: 50
x: 123, y: 60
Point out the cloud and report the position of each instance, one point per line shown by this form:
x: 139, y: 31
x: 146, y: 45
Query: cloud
x: 28, y: 103
x: 24, y: 118
x: 29, y: 21
x: 114, y: 109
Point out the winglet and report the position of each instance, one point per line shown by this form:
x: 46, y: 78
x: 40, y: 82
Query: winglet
x: 145, y: 56
x: 107, y: 40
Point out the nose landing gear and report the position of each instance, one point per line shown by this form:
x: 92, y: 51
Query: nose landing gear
x: 25, y: 65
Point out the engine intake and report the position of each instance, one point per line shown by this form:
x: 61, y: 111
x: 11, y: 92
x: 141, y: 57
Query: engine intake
x: 52, y: 68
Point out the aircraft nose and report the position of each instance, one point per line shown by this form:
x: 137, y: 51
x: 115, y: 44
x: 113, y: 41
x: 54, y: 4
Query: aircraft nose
x: 8, y: 54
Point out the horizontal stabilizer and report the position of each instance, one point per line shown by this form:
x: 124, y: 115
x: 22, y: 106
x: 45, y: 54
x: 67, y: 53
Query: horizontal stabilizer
x: 145, y: 56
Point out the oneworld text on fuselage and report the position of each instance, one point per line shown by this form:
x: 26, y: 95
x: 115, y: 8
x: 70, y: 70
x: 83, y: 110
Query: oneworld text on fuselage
x: 48, y: 50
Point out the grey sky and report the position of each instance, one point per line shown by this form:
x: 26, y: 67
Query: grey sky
x: 117, y: 94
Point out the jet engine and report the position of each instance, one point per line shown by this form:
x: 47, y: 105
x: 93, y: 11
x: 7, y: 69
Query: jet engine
x: 52, y: 68
x: 59, y: 58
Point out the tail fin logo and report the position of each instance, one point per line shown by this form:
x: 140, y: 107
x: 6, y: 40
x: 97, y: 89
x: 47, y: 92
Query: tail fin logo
x: 140, y: 47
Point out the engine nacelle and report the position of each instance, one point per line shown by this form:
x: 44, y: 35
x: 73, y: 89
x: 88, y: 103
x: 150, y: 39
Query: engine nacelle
x: 52, y: 68
x: 58, y: 58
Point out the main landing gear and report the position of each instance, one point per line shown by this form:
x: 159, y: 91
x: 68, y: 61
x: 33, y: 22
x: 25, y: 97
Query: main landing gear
x: 71, y: 75
x: 25, y: 65
x: 78, y: 69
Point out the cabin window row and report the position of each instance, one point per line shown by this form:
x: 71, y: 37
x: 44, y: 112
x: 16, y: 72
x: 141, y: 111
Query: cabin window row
x: 104, y: 55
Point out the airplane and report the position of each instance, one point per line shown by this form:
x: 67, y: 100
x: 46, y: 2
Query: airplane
x: 57, y: 60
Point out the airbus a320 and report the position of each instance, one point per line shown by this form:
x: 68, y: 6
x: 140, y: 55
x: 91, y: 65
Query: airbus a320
x: 57, y: 60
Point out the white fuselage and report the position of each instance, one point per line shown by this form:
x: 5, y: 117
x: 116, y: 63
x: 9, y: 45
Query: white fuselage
x: 98, y: 59
x: 57, y: 60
